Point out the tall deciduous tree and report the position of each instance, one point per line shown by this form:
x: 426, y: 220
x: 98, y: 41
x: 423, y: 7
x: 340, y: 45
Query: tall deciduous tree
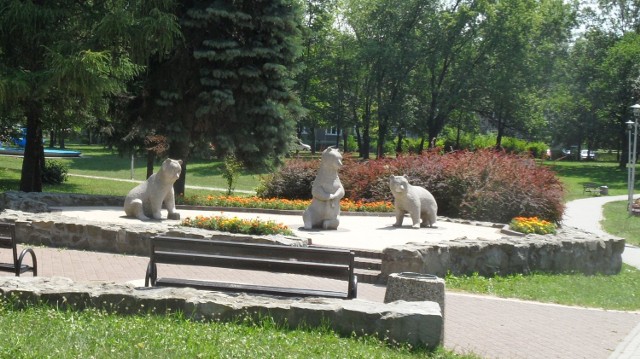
x: 601, y: 76
x: 316, y: 82
x: 453, y: 49
x: 527, y: 36
x: 621, y: 70
x: 388, y: 39
x: 79, y: 51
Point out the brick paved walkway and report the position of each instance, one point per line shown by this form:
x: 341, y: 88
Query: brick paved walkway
x: 490, y: 327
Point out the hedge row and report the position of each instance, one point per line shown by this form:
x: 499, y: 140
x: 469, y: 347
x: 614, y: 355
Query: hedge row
x: 483, y: 185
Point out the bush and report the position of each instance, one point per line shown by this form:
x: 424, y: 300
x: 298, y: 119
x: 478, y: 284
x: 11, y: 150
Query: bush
x: 231, y: 171
x: 292, y: 181
x: 54, y: 172
x: 484, y: 185
x: 472, y: 141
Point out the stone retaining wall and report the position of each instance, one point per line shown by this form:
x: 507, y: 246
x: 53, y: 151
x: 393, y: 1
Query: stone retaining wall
x: 52, y: 230
x: 570, y: 250
x: 38, y: 202
x: 417, y: 323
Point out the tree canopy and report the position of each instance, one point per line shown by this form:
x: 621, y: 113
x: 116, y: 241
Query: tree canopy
x: 70, y: 56
x: 229, y: 86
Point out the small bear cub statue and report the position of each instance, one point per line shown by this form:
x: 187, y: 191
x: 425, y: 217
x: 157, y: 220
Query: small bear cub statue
x: 415, y: 200
x: 145, y: 200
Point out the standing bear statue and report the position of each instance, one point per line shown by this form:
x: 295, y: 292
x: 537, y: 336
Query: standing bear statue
x: 415, y: 200
x: 324, y: 210
x: 145, y: 200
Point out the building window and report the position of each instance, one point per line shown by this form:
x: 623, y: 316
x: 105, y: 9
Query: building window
x: 333, y: 131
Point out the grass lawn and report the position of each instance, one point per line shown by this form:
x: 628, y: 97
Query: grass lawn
x: 101, y: 162
x: 620, y: 292
x: 618, y: 222
x: 574, y: 174
x: 44, y: 332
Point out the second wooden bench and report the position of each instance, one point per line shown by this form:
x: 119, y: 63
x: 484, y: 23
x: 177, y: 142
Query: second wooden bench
x: 317, y: 262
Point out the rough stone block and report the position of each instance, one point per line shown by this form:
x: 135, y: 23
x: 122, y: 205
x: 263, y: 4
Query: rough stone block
x: 570, y: 250
x: 416, y: 323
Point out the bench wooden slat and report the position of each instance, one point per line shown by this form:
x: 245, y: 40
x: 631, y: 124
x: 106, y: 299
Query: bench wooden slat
x: 176, y: 244
x: 336, y: 271
x: 6, y: 242
x: 249, y: 288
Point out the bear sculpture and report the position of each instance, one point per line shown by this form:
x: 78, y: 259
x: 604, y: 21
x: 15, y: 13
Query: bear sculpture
x: 327, y: 190
x: 145, y: 200
x: 415, y: 200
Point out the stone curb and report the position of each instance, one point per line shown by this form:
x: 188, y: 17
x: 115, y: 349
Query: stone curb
x: 419, y: 324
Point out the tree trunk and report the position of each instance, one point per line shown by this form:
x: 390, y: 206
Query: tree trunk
x: 345, y: 141
x: 151, y: 156
x: 433, y: 133
x: 624, y: 159
x: 366, y: 135
x: 358, y: 139
x: 381, y: 139
x: 499, y: 140
x: 52, y: 139
x: 399, y: 144
x: 61, y: 140
x: 33, y: 161
x: 500, y: 134
x: 313, y: 140
x: 366, y: 143
x: 180, y: 151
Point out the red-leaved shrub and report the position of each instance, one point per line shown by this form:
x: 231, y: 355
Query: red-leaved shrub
x: 484, y: 185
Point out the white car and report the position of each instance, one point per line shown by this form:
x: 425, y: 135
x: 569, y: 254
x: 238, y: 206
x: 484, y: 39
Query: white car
x: 303, y: 146
x: 587, y: 155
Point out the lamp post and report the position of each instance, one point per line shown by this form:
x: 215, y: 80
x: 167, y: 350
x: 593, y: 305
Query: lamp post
x: 631, y: 171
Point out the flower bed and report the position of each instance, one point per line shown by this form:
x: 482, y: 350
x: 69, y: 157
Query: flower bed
x: 237, y: 225
x: 280, y: 203
x: 529, y: 225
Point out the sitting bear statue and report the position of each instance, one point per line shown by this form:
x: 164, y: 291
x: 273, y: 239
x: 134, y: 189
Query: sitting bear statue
x: 415, y: 200
x: 145, y: 200
x: 327, y: 190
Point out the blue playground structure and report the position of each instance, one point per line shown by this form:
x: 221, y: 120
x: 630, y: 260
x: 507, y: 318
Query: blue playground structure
x: 20, y: 142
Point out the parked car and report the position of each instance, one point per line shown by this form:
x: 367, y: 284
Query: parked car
x: 300, y: 146
x: 587, y: 155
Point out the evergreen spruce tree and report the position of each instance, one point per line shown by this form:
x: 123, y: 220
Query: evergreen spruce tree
x: 229, y: 85
x: 247, y: 62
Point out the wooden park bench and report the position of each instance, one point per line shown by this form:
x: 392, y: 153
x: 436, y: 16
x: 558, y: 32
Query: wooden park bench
x: 317, y: 262
x: 8, y: 241
x: 591, y: 188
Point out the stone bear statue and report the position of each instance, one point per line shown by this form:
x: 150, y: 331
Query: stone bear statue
x: 327, y: 190
x: 415, y: 200
x: 145, y: 200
